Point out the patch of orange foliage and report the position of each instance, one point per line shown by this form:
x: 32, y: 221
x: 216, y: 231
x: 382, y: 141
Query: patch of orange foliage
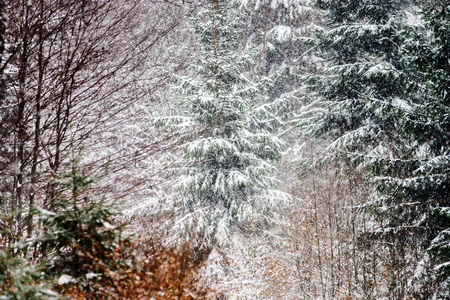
x: 160, y: 274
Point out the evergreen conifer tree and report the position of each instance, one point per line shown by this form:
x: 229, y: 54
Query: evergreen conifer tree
x: 421, y: 191
x: 229, y: 157
x: 383, y: 96
x: 356, y: 87
x: 356, y: 95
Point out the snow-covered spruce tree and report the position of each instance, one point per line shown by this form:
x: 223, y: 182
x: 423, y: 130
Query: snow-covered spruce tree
x: 417, y: 198
x: 229, y: 144
x: 356, y: 96
x: 362, y: 63
x: 387, y: 106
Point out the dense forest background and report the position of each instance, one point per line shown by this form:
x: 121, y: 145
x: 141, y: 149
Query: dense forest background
x: 240, y: 149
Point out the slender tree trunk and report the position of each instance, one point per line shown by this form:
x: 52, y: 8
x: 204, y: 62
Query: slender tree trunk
x: 317, y: 237
x: 37, y: 124
x: 20, y: 121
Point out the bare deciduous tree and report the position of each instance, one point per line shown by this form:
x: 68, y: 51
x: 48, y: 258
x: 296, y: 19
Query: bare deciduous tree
x: 73, y: 69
